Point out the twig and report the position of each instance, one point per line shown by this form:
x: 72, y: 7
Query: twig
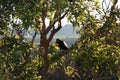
x: 34, y: 37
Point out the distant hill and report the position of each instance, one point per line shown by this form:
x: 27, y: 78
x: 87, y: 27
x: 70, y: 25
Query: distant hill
x: 67, y: 33
x: 67, y: 30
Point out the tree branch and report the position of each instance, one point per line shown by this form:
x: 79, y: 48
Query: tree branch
x: 113, y: 6
x: 52, y: 24
x: 34, y: 37
x: 54, y: 31
x: 43, y: 16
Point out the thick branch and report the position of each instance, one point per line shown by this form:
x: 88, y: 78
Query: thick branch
x: 44, y: 25
x: 52, y: 24
x: 43, y: 16
x: 43, y: 21
x: 54, y: 31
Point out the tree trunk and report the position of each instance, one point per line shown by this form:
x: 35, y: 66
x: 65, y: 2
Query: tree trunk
x: 44, y: 44
x: 44, y: 69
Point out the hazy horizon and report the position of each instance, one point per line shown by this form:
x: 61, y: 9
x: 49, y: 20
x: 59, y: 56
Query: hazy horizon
x: 67, y: 34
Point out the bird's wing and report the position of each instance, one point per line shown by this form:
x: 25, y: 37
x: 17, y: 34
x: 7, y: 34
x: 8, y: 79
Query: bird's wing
x: 65, y: 44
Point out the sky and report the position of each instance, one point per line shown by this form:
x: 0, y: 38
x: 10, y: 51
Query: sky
x: 64, y: 21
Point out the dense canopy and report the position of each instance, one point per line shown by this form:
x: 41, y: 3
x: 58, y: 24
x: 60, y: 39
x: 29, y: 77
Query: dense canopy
x: 95, y: 55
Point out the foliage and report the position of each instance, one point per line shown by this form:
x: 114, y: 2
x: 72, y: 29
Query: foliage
x: 16, y: 56
x: 97, y: 51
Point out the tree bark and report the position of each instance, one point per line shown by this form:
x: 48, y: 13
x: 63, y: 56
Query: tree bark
x: 44, y: 44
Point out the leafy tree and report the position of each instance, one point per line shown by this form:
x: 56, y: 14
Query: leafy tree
x: 97, y: 54
x: 28, y: 13
x: 21, y: 59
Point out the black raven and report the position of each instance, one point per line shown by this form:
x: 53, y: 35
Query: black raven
x: 61, y: 44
